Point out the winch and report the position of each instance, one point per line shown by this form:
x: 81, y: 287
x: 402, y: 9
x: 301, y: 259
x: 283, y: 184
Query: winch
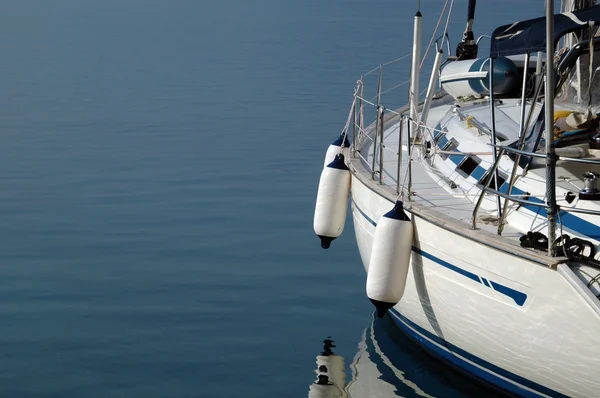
x: 590, y: 186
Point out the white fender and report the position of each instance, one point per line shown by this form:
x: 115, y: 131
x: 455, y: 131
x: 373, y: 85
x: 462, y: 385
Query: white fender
x: 390, y: 259
x: 333, y: 366
x: 324, y: 389
x: 332, y: 201
x: 334, y: 149
x: 331, y: 375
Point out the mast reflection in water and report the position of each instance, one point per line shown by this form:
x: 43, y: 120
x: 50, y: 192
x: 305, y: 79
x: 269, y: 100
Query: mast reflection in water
x: 388, y: 364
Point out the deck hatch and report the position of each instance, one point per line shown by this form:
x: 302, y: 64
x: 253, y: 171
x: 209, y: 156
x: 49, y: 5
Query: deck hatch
x: 501, y: 180
x: 450, y: 146
x: 468, y: 166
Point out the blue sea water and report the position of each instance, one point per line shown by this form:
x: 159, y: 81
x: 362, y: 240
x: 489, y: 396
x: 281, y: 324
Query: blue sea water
x: 159, y: 170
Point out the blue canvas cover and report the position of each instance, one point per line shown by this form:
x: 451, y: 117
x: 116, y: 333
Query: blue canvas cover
x: 530, y: 36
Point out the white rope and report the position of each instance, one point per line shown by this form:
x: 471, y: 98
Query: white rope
x: 366, y: 100
x: 447, y: 22
x: 434, y: 33
x: 391, y: 111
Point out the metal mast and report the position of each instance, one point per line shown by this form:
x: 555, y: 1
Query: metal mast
x: 549, y: 123
x: 413, y: 98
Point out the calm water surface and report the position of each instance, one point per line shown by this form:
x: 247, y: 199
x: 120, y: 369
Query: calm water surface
x: 159, y: 170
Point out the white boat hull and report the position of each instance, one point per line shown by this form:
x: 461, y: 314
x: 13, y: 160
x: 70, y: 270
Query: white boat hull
x: 500, y: 317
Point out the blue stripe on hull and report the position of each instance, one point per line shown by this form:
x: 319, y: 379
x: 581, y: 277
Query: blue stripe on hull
x: 477, y: 367
x: 482, y: 370
x: 373, y: 223
x: 518, y: 297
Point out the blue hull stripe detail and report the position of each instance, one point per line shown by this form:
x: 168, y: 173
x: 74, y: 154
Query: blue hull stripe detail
x: 446, y: 264
x: 485, y: 282
x: 517, y: 296
x: 373, y: 223
x: 421, y: 335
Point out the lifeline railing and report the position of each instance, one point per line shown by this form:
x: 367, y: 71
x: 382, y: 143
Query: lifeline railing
x: 507, y: 196
x: 377, y: 136
x: 375, y: 132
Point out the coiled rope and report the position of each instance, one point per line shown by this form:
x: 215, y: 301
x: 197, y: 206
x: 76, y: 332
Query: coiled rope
x: 575, y: 249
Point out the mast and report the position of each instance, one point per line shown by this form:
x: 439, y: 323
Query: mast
x: 413, y: 99
x: 549, y: 124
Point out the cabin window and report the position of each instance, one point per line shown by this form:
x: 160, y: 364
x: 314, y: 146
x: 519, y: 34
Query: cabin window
x: 501, y: 180
x: 468, y: 166
x: 450, y: 146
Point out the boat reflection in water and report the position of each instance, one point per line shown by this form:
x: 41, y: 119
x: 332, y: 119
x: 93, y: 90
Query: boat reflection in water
x: 388, y: 364
x: 331, y: 375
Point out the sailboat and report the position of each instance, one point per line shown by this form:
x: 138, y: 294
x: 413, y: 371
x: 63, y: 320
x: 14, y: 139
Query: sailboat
x: 476, y: 207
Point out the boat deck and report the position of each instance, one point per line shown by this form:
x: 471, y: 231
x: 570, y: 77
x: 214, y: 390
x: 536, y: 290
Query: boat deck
x: 425, y: 190
x: 454, y: 210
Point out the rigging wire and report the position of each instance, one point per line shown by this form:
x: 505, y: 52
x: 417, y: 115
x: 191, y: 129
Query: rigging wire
x: 434, y: 33
x: 386, y: 63
x: 447, y: 22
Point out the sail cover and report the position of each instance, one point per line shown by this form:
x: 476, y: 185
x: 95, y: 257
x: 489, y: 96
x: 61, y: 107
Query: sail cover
x: 530, y: 36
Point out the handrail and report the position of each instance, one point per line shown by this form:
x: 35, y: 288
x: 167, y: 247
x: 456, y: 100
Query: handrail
x: 521, y: 152
x: 386, y: 118
x: 522, y: 129
x: 487, y: 184
x: 437, y: 48
x: 514, y: 198
x: 481, y: 37
x: 493, y: 136
x: 576, y: 210
x: 570, y: 58
x: 578, y: 160
x: 543, y: 155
